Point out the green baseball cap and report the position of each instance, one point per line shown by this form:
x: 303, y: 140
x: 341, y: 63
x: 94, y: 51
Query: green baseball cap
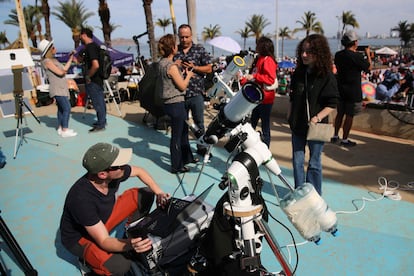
x: 102, y: 156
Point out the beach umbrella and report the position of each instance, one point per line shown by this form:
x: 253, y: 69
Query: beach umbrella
x: 225, y: 43
x: 285, y: 64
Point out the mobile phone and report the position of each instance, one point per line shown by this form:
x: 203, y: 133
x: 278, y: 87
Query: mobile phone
x: 362, y: 48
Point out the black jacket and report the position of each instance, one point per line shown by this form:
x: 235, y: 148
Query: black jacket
x: 323, y: 92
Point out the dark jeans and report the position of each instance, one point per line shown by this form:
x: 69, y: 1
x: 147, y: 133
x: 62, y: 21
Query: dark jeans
x: 63, y: 112
x: 96, y: 94
x: 262, y: 112
x: 180, y: 149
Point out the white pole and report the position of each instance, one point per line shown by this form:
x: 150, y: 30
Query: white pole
x: 277, y: 30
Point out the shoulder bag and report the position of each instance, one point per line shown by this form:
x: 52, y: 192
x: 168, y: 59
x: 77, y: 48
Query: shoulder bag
x: 320, y: 131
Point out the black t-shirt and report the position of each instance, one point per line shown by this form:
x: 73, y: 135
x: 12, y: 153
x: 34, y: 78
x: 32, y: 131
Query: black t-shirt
x: 349, y: 65
x: 86, y: 206
x: 91, y: 53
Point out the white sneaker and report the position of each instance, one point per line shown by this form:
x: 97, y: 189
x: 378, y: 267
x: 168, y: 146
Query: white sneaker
x: 67, y: 133
x: 59, y: 131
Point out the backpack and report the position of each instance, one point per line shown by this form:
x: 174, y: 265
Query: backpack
x: 105, y: 63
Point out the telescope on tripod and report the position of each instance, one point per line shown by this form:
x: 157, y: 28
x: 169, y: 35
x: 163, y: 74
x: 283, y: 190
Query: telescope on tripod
x: 135, y: 38
x: 17, y: 61
x: 243, y: 202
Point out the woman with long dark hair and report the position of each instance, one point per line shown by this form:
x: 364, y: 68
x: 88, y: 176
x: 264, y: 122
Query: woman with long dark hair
x: 314, y: 81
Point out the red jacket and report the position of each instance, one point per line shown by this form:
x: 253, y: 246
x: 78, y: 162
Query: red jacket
x: 264, y: 73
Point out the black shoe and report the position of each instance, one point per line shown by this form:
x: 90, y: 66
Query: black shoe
x: 96, y: 129
x: 194, y: 161
x: 97, y: 124
x: 349, y: 143
x: 182, y: 170
x: 334, y: 139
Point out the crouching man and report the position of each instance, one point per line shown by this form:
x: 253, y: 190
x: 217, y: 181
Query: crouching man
x: 93, y: 209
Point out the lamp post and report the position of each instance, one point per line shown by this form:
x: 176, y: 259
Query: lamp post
x: 338, y: 33
x: 277, y: 29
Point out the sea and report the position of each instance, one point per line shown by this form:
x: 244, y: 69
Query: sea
x: 288, y: 50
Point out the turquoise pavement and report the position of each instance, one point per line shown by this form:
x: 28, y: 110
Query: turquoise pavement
x: 375, y: 241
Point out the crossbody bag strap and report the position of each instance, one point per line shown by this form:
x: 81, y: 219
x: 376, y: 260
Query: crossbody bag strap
x: 306, y: 95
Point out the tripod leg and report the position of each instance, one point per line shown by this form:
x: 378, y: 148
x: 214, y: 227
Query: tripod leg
x: 19, y: 129
x: 31, y: 112
x: 18, y: 253
x: 275, y: 247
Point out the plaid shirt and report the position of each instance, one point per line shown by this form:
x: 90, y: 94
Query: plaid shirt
x: 197, y: 54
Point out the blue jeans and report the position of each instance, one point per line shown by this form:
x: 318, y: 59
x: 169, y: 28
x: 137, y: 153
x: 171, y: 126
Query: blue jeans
x: 196, y: 105
x: 63, y: 111
x: 262, y: 112
x: 180, y: 149
x: 314, y: 171
x: 96, y: 94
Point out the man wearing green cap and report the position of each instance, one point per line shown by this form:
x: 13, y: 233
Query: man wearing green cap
x: 93, y: 208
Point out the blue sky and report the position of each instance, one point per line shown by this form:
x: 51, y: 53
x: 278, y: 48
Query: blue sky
x: 375, y: 17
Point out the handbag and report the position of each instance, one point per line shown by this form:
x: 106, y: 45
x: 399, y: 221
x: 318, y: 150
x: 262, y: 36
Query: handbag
x: 320, y: 131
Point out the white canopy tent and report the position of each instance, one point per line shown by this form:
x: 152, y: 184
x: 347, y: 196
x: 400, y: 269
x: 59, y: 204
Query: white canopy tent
x: 386, y: 51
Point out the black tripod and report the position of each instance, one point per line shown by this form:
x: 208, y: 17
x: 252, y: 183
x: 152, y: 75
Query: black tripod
x: 19, y: 104
x: 19, y: 101
x: 18, y: 253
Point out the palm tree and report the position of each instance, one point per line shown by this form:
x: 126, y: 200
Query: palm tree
x: 3, y: 39
x: 348, y: 18
x: 150, y: 28
x: 256, y: 25
x: 105, y: 16
x: 210, y: 33
x: 163, y: 23
x: 309, y: 24
x: 32, y: 16
x: 405, y: 32
x: 244, y: 33
x: 46, y: 16
x: 74, y: 15
x: 284, y: 32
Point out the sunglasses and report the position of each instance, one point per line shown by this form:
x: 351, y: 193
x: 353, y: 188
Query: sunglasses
x: 114, y: 168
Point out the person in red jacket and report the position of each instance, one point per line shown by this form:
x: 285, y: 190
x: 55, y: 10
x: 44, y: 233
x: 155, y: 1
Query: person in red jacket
x: 264, y: 74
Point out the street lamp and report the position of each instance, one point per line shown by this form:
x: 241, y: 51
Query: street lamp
x: 277, y: 29
x: 338, y: 34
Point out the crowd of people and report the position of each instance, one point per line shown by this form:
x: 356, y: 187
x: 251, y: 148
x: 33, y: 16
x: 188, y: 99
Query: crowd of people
x: 91, y: 209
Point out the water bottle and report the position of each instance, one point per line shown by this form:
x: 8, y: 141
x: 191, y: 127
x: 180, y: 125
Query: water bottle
x: 329, y: 222
x: 299, y: 210
x: 323, y: 214
x: 309, y: 213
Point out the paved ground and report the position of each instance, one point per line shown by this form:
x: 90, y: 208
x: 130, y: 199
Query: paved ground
x: 375, y: 155
x: 35, y: 183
